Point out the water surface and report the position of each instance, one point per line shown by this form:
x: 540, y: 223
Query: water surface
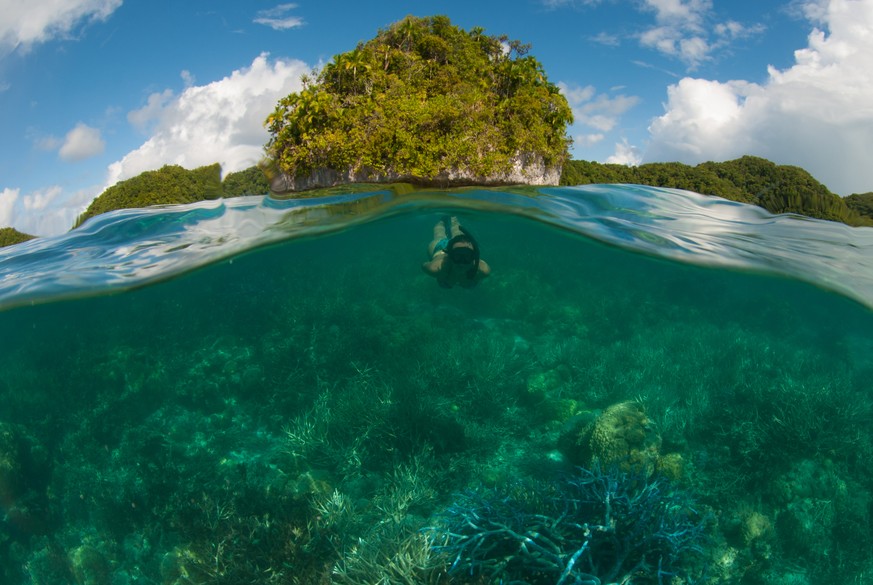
x: 270, y: 391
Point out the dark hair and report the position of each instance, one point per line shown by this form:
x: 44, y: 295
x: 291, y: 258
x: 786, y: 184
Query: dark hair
x: 464, y: 255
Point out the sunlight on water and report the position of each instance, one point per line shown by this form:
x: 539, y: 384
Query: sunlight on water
x: 652, y: 386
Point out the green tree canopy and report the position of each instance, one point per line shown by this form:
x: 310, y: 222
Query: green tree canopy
x: 169, y: 185
x: 423, y: 97
x: 250, y: 181
x: 750, y: 179
x: 9, y: 236
x: 861, y: 203
x: 784, y: 189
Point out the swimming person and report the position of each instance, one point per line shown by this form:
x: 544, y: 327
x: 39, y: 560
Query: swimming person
x: 454, y: 256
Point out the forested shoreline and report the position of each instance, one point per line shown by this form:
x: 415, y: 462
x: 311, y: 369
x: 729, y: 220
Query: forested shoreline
x: 749, y: 179
x: 753, y: 180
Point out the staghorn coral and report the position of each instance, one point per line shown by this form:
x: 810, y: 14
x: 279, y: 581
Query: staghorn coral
x: 597, y: 527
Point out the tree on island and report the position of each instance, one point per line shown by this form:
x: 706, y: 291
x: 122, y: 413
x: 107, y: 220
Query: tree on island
x: 9, y: 236
x: 250, y: 181
x: 173, y: 184
x: 425, y: 102
x: 861, y: 203
x: 749, y: 179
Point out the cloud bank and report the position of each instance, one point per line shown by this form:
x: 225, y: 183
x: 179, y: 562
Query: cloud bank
x: 817, y: 114
x: 45, y: 212
x: 7, y: 201
x: 25, y: 23
x: 218, y: 122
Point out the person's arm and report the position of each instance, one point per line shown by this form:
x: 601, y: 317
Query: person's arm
x: 433, y: 267
x: 484, y: 269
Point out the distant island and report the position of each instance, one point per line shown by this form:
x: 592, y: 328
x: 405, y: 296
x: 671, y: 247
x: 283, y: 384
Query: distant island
x: 173, y: 184
x: 749, y: 179
x: 426, y: 103
x: 9, y: 236
x: 777, y: 188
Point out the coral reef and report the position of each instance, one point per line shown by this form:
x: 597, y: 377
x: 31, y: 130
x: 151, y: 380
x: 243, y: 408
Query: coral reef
x: 315, y: 431
x: 597, y: 527
x: 621, y: 435
x: 10, y: 463
x: 90, y: 566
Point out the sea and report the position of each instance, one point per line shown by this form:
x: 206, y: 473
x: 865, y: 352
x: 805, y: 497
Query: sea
x: 651, y: 386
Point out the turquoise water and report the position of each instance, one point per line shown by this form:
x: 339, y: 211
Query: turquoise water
x: 264, y: 391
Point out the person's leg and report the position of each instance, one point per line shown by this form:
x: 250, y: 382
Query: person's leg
x: 456, y: 227
x: 439, y: 234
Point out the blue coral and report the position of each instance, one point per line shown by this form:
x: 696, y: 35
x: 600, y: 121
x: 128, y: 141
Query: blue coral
x: 594, y: 527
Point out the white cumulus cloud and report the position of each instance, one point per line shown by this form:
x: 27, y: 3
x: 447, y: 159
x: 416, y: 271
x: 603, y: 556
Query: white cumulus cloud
x: 686, y: 30
x: 42, y: 199
x: 278, y: 18
x: 625, y: 154
x: 151, y: 111
x: 594, y: 111
x: 7, y: 203
x: 81, y: 142
x: 587, y: 139
x: 219, y: 122
x: 45, y: 212
x: 25, y: 23
x: 817, y: 114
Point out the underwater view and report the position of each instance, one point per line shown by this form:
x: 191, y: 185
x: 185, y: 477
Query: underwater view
x: 650, y: 387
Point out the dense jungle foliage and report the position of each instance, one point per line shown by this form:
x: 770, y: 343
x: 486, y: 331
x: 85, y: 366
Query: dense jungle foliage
x: 173, y: 184
x: 422, y: 98
x: 750, y: 179
x: 861, y: 203
x: 250, y: 181
x: 169, y: 185
x: 9, y: 236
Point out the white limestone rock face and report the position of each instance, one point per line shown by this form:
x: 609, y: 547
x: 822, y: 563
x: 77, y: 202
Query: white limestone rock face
x: 526, y: 170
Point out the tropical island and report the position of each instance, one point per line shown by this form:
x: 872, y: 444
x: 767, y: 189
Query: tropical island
x: 428, y: 103
x: 172, y: 185
x: 424, y: 102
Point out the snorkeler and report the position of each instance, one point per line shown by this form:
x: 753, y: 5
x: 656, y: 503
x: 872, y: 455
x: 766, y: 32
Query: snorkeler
x: 455, y: 256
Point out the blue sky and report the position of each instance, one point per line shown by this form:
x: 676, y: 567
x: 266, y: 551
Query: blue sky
x: 96, y: 91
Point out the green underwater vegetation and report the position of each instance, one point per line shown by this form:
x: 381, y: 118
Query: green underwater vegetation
x: 319, y: 411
